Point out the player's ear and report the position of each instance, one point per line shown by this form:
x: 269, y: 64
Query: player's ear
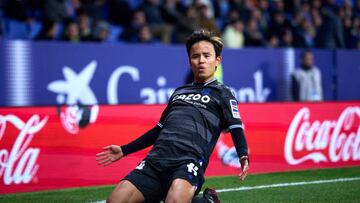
x: 218, y: 60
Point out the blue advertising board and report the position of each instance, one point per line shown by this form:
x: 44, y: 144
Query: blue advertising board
x: 348, y: 73
x: 44, y: 73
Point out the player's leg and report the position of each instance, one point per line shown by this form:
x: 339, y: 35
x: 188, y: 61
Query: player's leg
x: 125, y: 191
x: 140, y: 185
x: 185, y: 182
x: 180, y: 191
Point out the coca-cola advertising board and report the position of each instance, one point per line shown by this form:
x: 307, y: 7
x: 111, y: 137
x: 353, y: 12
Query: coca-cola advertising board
x: 44, y: 148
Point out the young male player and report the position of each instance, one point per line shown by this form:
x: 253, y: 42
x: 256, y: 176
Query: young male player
x: 185, y: 136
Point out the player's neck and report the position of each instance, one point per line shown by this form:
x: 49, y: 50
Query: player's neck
x: 203, y: 82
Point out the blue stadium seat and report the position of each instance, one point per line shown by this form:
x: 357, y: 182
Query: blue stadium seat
x: 60, y: 29
x: 14, y: 29
x: 35, y: 28
x: 114, y: 33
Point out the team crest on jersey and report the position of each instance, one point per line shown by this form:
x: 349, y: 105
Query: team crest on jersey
x: 234, y: 108
x: 206, y: 91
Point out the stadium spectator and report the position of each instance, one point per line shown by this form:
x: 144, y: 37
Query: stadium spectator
x: 261, y: 19
x: 240, y: 8
x: 144, y: 35
x: 356, y: 33
x: 84, y: 22
x: 253, y: 37
x: 233, y: 35
x: 278, y: 25
x: 221, y: 8
x: 71, y: 32
x: 55, y: 10
x: 185, y: 136
x: 48, y: 31
x: 306, y: 80
x: 186, y: 25
x: 130, y: 33
x: 210, y: 13
x: 314, y: 24
x: 96, y: 9
x: 101, y: 31
x: 120, y: 12
x: 273, y: 41
x: 230, y: 17
x: 330, y: 34
x: 159, y: 28
x: 172, y: 11
x: 287, y: 39
x: 277, y: 6
x: 205, y: 21
x: 357, y: 8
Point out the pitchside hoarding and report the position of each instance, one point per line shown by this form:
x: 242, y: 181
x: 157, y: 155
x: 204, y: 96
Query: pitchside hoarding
x: 44, y: 73
x: 44, y: 148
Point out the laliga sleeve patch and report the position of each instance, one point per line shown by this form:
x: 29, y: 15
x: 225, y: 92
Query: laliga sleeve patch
x: 234, y: 108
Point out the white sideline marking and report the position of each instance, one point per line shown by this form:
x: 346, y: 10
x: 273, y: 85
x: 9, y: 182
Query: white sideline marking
x: 281, y: 185
x: 289, y: 184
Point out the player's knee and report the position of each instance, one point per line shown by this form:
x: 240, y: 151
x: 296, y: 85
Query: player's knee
x: 180, y: 191
x: 116, y: 196
x: 125, y: 192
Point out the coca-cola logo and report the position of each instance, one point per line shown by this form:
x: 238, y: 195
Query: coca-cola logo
x: 323, y: 141
x: 19, y: 164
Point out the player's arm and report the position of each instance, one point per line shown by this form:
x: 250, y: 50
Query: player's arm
x: 295, y: 88
x: 114, y: 153
x: 238, y: 137
x: 142, y: 142
x: 232, y: 118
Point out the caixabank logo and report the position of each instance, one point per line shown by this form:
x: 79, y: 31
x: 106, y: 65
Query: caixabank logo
x: 74, y: 88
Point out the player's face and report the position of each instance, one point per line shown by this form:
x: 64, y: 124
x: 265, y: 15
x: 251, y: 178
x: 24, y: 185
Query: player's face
x: 203, y: 61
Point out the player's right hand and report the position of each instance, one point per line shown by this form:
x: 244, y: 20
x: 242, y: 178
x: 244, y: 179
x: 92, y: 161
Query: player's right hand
x: 110, y: 154
x: 244, y: 161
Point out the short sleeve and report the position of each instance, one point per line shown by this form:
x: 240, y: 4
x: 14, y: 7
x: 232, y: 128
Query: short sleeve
x: 165, y: 112
x: 230, y: 111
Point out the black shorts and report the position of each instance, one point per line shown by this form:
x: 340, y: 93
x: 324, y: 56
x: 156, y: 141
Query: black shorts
x: 153, y: 178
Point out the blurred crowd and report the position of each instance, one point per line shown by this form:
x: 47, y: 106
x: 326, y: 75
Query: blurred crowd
x: 242, y: 23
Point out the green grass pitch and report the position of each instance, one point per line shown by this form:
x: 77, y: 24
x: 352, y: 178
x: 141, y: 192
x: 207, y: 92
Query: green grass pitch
x: 346, y: 191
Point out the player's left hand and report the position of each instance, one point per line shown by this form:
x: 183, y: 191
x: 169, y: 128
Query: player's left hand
x: 244, y: 161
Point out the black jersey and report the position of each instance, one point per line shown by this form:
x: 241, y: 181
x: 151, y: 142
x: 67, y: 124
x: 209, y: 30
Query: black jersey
x: 193, y: 120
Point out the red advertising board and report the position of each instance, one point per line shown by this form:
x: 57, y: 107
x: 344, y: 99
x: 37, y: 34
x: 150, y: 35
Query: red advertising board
x: 43, y: 148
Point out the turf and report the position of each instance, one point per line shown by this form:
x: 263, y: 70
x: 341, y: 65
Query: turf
x: 325, y: 192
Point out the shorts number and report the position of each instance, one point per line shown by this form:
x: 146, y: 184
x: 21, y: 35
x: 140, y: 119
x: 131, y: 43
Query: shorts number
x: 141, y: 165
x: 192, y: 168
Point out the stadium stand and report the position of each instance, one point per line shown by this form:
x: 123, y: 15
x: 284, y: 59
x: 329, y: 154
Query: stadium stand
x: 267, y: 23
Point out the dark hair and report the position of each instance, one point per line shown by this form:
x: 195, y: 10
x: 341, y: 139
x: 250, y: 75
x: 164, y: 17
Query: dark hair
x: 305, y: 52
x: 204, y: 35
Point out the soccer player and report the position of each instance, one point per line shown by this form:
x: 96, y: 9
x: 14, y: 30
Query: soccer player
x: 185, y: 136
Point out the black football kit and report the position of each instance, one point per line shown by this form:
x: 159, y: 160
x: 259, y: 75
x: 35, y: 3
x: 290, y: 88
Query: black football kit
x: 185, y: 137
